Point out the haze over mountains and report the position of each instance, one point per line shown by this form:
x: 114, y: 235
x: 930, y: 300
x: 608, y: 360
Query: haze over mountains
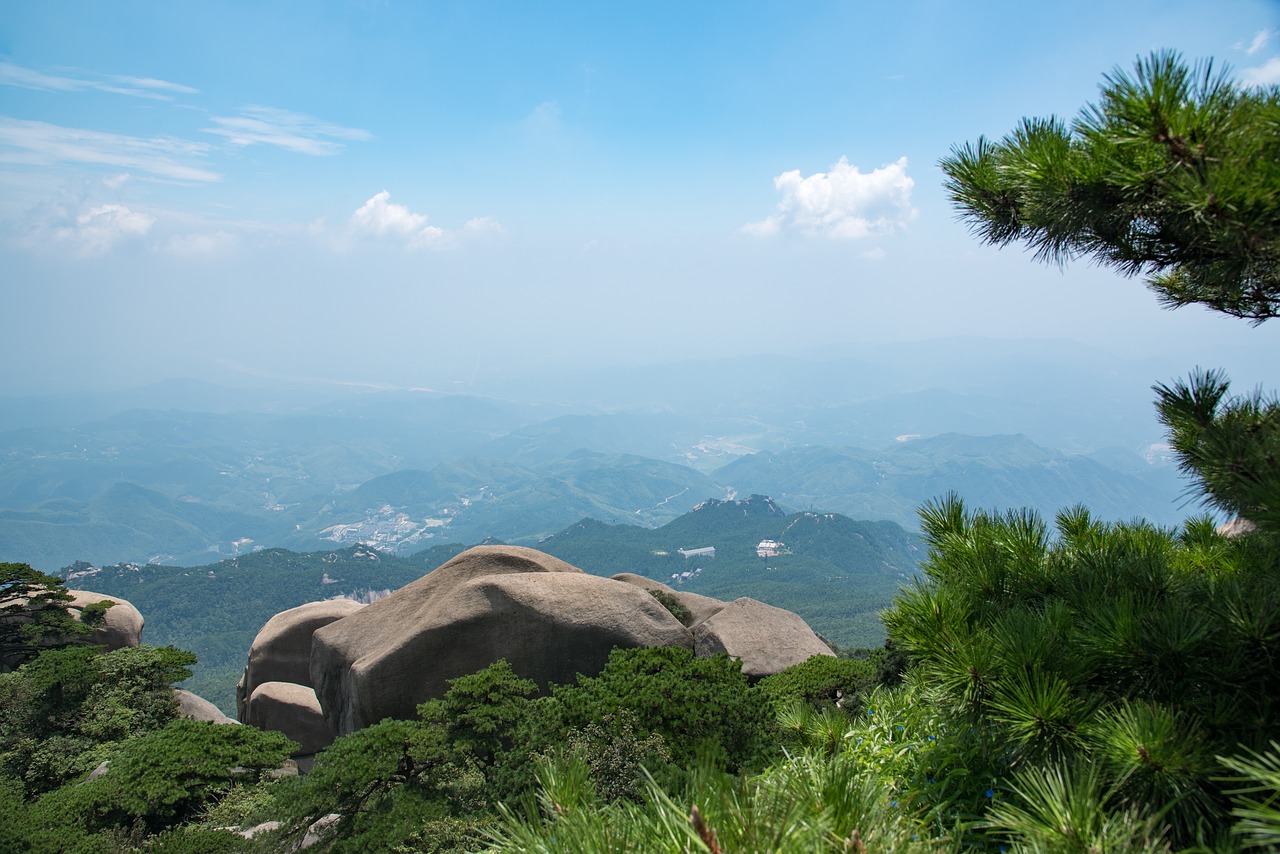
x: 188, y: 472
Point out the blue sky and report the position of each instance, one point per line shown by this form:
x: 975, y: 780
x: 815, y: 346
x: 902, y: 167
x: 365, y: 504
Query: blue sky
x: 408, y: 193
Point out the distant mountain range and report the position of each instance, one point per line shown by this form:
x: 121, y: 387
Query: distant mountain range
x: 150, y: 476
x: 989, y: 471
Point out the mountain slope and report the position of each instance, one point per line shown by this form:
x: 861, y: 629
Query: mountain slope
x: 835, y: 572
x: 989, y: 471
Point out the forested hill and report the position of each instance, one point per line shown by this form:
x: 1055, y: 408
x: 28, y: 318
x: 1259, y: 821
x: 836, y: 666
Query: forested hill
x: 833, y: 571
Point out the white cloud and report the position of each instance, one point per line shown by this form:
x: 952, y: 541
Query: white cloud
x: 842, y: 204
x: 382, y: 217
x: 73, y: 81
x: 1259, y: 41
x: 41, y: 144
x: 101, y: 227
x: 285, y: 129
x: 152, y: 84
x: 1266, y: 74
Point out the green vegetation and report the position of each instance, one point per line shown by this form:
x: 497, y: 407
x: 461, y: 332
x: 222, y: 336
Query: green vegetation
x: 673, y: 605
x: 1172, y: 175
x: 33, y: 614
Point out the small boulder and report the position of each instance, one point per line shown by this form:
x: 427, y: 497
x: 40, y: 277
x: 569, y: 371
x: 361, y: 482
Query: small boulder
x: 121, y: 624
x: 197, y: 708
x: 293, y: 710
x: 768, y: 640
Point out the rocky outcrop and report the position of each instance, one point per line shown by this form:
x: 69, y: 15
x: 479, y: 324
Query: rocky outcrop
x: 767, y: 639
x: 121, y: 624
x: 290, y: 709
x: 281, y: 651
x: 548, y: 619
x: 197, y: 708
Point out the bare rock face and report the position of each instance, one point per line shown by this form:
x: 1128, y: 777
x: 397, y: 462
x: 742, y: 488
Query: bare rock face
x: 1237, y: 527
x: 767, y: 639
x: 281, y: 651
x: 700, y: 607
x: 121, y: 625
x: 293, y: 710
x: 196, y: 708
x: 549, y: 619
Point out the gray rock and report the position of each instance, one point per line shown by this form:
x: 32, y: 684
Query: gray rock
x: 548, y: 619
x: 281, y: 651
x: 1237, y: 527
x: 121, y: 625
x: 767, y: 639
x: 700, y: 607
x: 293, y: 710
x: 197, y: 708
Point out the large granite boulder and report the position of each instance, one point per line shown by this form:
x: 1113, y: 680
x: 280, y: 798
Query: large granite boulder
x: 767, y: 639
x: 121, y: 624
x: 281, y: 651
x: 293, y: 710
x: 548, y: 619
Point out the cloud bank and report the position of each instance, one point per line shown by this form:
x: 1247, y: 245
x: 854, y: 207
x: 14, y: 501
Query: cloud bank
x: 841, y: 204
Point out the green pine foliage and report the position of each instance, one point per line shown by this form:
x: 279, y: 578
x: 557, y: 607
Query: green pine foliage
x: 826, y: 682
x: 673, y: 606
x: 1171, y: 175
x: 1142, y: 651
x: 1229, y: 445
x: 67, y: 710
x: 702, y: 707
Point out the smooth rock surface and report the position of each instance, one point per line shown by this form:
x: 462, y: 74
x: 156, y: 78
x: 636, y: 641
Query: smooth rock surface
x: 293, y: 710
x: 548, y: 619
x: 700, y: 607
x: 196, y: 708
x: 281, y: 651
x: 767, y: 639
x: 122, y: 623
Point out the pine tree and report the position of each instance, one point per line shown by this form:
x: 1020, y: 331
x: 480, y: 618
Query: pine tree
x: 1174, y: 174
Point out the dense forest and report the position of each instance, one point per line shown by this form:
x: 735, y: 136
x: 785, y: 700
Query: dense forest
x: 1064, y: 685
